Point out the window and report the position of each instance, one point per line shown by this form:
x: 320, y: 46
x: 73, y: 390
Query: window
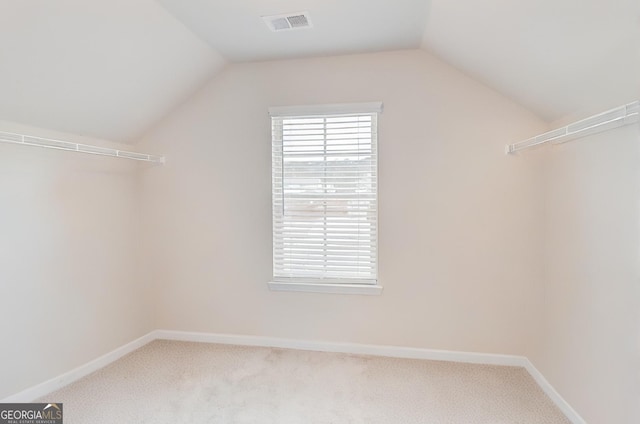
x: 325, y: 197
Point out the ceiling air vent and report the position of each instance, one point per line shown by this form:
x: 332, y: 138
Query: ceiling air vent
x: 288, y: 21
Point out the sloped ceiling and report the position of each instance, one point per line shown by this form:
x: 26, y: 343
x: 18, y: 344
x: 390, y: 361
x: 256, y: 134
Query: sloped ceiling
x: 556, y: 57
x: 101, y: 68
x: 113, y: 68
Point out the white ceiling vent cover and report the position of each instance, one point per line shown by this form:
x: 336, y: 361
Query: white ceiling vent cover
x: 288, y: 21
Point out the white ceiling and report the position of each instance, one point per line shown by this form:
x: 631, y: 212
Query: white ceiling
x: 113, y: 68
x: 556, y: 57
x: 235, y: 29
x: 101, y: 68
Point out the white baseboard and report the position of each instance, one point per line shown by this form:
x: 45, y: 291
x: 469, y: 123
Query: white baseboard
x: 562, y: 404
x: 56, y: 383
x: 32, y: 393
x: 351, y: 348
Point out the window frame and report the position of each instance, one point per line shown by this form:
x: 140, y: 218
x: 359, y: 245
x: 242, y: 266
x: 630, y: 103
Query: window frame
x: 346, y: 285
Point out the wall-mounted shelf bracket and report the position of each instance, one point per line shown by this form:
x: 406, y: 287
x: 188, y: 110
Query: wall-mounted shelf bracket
x: 48, y: 143
x: 614, y: 118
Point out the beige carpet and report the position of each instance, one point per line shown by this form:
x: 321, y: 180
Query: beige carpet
x: 177, y: 382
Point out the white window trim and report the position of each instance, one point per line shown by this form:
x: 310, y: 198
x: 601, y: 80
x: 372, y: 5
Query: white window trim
x: 374, y: 288
x: 299, y: 286
x: 340, y: 108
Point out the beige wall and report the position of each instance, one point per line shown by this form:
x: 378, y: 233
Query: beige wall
x: 459, y: 235
x: 591, y: 347
x: 68, y: 239
x: 534, y: 254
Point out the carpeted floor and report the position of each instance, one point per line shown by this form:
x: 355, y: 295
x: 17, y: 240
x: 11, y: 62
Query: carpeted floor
x: 178, y: 382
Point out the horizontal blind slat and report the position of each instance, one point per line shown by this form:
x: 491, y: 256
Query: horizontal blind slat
x: 324, y: 181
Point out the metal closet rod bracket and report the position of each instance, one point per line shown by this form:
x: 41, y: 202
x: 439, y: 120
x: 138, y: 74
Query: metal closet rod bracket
x: 49, y: 143
x: 614, y: 118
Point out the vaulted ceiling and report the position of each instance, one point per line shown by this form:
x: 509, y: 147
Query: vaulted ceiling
x: 113, y: 68
x: 556, y: 57
x: 101, y: 68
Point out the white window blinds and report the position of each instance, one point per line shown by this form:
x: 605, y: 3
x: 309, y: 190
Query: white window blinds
x: 325, y: 196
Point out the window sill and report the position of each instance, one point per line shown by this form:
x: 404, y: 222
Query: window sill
x: 365, y: 289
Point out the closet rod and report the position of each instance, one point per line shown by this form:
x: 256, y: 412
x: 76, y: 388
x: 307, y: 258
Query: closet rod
x: 614, y: 118
x: 48, y: 143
